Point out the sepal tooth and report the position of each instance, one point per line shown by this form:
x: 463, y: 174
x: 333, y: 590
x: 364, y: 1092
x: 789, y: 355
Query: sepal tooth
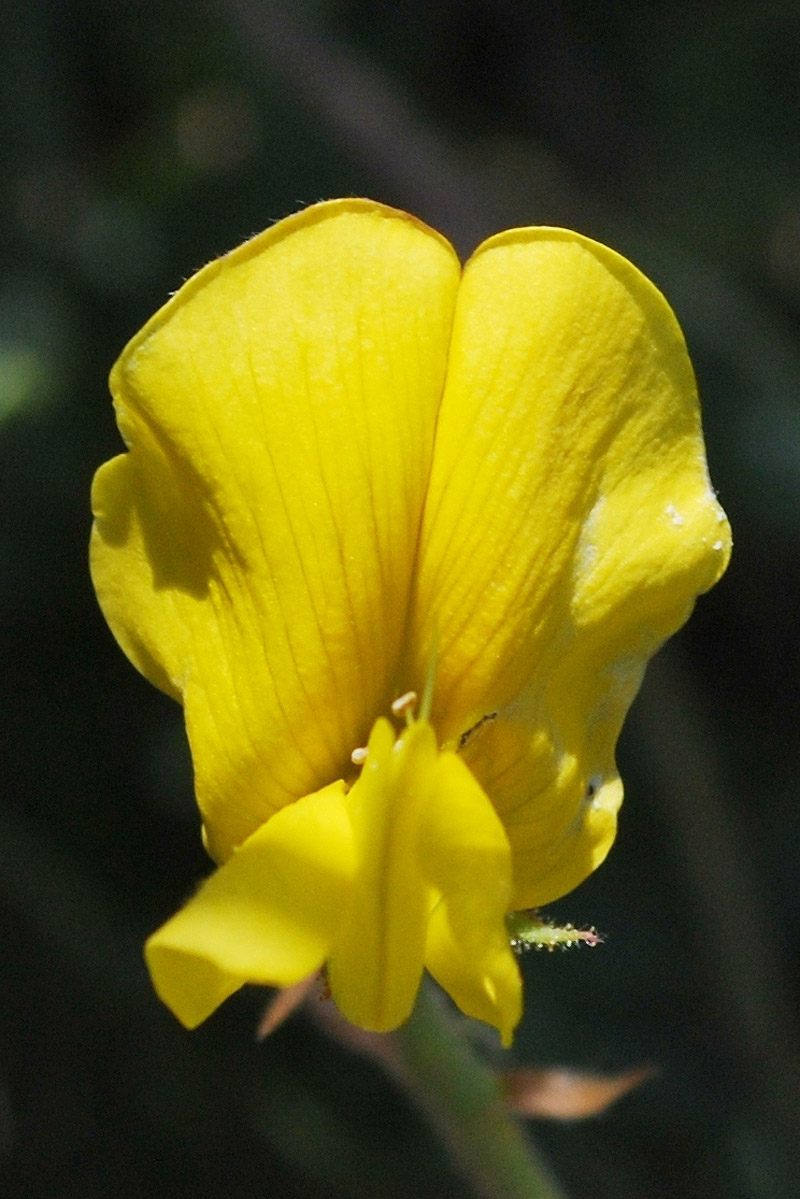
x: 530, y: 930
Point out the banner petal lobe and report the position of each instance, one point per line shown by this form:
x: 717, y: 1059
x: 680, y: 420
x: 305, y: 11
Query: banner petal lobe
x: 253, y: 552
x: 569, y: 526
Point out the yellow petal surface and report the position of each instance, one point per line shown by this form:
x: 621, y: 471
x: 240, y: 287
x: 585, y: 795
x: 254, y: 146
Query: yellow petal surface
x: 466, y: 856
x: 492, y: 992
x: 377, y: 961
x: 269, y: 915
x: 253, y: 552
x: 426, y: 837
x: 568, y: 528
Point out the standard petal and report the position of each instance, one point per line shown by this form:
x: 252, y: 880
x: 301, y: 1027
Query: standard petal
x: 269, y: 915
x: 253, y: 551
x: 568, y: 528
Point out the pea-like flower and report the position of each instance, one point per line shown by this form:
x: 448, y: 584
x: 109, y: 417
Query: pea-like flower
x: 401, y: 538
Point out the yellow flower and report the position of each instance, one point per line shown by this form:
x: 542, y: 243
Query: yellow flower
x: 349, y: 457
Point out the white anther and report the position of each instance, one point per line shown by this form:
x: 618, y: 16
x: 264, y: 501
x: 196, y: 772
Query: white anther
x: 404, y: 703
x: 359, y: 756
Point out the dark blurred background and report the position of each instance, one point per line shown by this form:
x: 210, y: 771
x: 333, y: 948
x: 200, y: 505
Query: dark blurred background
x: 139, y: 140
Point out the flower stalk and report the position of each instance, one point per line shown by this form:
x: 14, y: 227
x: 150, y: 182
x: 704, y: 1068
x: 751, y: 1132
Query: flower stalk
x: 463, y: 1100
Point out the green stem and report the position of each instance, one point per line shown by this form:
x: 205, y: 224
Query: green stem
x: 463, y: 1100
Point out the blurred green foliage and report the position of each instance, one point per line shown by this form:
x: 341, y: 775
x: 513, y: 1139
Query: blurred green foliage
x: 140, y: 140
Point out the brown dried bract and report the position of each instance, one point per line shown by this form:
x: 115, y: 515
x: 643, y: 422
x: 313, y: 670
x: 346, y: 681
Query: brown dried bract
x: 563, y: 1094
